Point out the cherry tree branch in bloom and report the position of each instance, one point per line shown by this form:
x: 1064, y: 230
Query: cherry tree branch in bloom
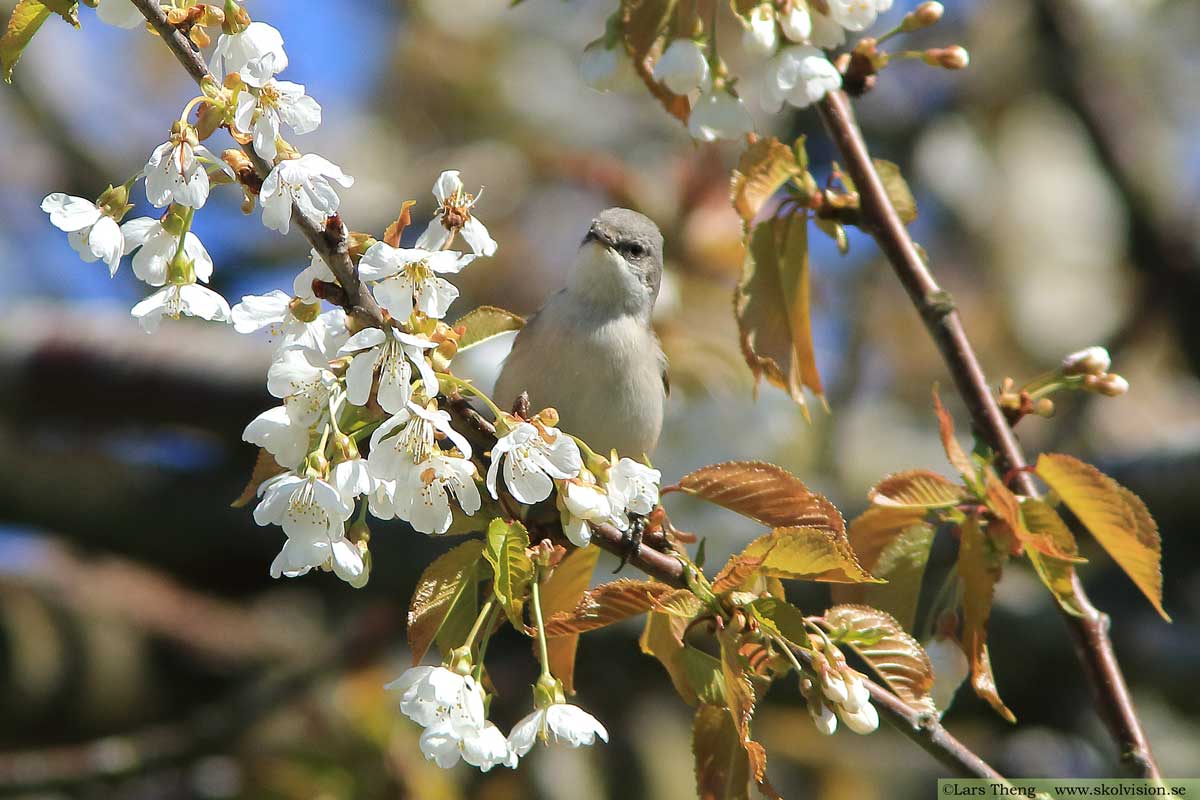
x: 330, y: 241
x: 1089, y: 632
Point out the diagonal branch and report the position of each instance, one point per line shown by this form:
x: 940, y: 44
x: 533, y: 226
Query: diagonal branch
x: 924, y: 729
x: 1089, y: 632
x: 330, y: 241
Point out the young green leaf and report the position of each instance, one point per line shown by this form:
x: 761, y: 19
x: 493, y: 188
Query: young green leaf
x: 560, y: 593
x: 663, y: 638
x: 782, y: 619
x: 513, y: 571
x: 445, y: 602
x: 704, y: 676
x: 1114, y: 515
x: 762, y: 169
x: 892, y: 544
x: 735, y: 573
x: 897, y: 190
x: 484, y: 323
x: 722, y: 763
x: 606, y: 604
x: 1056, y: 574
x: 773, y: 308
x: 680, y: 603
x: 893, y: 654
x: 765, y: 493
x: 979, y: 569
x: 810, y: 553
x: 1048, y: 542
x: 917, y: 488
x: 26, y: 18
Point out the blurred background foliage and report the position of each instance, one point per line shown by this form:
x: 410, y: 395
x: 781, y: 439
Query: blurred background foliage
x: 145, y: 652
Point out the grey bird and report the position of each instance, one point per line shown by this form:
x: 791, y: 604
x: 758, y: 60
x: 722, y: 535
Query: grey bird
x: 590, y: 351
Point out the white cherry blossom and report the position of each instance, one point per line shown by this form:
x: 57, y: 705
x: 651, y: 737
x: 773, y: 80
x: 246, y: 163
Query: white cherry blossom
x: 633, y: 486
x: 171, y: 301
x: 304, y: 387
x: 301, y: 554
x: 826, y: 32
x: 121, y: 13
x: 532, y: 457
x: 411, y: 278
x: 432, y: 695
x: 719, y: 115
x: 857, y: 15
x: 796, y: 24
x: 260, y: 113
x: 800, y: 75
x: 93, y: 234
x: 255, y: 54
x: 158, y: 248
x: 558, y: 723
x: 760, y: 36
x: 305, y: 182
x: 277, y: 311
x: 392, y: 355
x: 308, y: 509
x: 176, y: 173
x: 317, y: 270
x: 580, y: 502
x: 683, y: 67
x: 408, y: 439
x: 423, y: 500
x: 352, y: 478
x: 279, y: 434
x: 454, y: 213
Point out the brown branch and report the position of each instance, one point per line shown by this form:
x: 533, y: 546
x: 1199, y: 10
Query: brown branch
x: 328, y: 241
x: 1089, y: 632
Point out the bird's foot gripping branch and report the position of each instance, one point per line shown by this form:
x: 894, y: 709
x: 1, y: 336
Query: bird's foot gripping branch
x: 374, y: 422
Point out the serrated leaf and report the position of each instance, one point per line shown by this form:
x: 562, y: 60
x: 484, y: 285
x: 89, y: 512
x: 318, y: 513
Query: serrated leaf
x: 773, y: 308
x: 1114, y: 515
x: 25, y: 21
x: 606, y: 604
x: 917, y: 488
x: 893, y: 654
x: 782, y: 619
x: 954, y: 452
x: 511, y: 567
x: 265, y: 468
x: 680, y: 603
x: 808, y: 553
x: 739, y: 692
x: 642, y: 22
x: 484, y: 323
x: 1056, y: 574
x: 979, y: 570
x: 735, y: 573
x: 765, y: 493
x: 560, y: 593
x: 722, y: 763
x: 892, y: 544
x: 764, y: 167
x: 663, y: 638
x: 445, y: 602
x: 1048, y: 542
x: 704, y: 676
x: 897, y: 190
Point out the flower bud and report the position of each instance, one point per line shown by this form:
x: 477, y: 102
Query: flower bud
x: 863, y: 721
x: 1044, y: 407
x: 823, y: 717
x: 922, y: 16
x: 683, y: 67
x: 760, y: 37
x: 1088, y: 361
x: 952, y: 57
x: 1111, y: 385
x: 835, y: 688
x: 857, y: 695
x: 796, y: 23
x: 360, y: 580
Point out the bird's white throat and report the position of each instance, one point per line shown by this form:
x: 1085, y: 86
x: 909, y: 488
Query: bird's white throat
x: 602, y: 278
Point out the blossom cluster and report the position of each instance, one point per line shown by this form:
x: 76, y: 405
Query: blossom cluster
x: 838, y: 692
x: 785, y: 40
x: 450, y: 707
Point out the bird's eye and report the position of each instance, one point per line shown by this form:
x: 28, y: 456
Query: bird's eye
x: 635, y: 250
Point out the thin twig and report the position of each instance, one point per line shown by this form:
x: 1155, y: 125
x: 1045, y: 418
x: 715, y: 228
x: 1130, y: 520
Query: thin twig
x: 1090, y: 631
x: 329, y: 242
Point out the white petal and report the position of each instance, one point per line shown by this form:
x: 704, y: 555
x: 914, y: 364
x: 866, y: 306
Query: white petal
x: 202, y: 263
x: 478, y: 237
x: 447, y: 185
x: 359, y: 376
x: 367, y: 337
x: 107, y: 243
x: 434, y: 236
x: 204, y: 303
x: 69, y: 213
x: 136, y: 231
x: 256, y: 312
x: 523, y: 735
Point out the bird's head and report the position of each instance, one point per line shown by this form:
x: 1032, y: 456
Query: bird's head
x: 620, y: 262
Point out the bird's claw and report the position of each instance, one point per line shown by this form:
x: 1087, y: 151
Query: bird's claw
x: 631, y: 540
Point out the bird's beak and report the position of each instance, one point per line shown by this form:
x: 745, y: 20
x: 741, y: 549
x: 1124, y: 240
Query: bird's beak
x: 595, y: 234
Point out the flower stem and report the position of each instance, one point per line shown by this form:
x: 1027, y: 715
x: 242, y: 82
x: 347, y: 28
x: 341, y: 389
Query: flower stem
x: 487, y: 637
x: 536, y: 598
x: 459, y: 383
x: 484, y: 613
